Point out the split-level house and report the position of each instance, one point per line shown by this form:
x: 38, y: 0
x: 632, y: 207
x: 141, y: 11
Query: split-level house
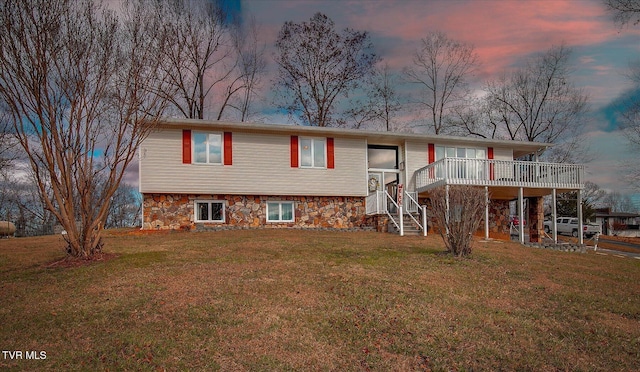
x: 212, y: 174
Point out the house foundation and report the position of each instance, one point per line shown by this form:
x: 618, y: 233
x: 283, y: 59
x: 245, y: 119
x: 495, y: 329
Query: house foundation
x: 176, y: 211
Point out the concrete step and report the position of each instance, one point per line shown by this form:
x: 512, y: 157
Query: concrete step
x: 408, y: 225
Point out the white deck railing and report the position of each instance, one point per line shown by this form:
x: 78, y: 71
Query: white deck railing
x: 490, y: 172
x: 376, y: 203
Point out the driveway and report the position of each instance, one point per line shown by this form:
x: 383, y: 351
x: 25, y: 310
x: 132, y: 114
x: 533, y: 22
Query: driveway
x: 610, y: 252
x: 626, y: 249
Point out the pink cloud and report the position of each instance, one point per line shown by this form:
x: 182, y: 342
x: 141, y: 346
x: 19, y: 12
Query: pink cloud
x: 501, y: 31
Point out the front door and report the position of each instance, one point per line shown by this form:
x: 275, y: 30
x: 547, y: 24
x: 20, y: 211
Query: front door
x: 383, y: 174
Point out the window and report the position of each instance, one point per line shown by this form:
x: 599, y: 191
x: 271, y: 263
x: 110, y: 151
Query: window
x: 313, y: 153
x: 209, y: 211
x: 280, y: 212
x: 207, y: 148
x: 468, y: 169
x: 460, y: 152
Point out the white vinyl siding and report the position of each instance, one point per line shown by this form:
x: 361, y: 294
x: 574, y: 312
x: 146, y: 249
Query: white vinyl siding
x: 261, y: 166
x: 417, y: 157
x: 503, y: 154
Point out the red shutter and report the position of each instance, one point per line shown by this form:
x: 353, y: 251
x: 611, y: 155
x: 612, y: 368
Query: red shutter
x: 431, y: 157
x: 331, y: 163
x: 228, y: 149
x: 294, y: 151
x: 490, y: 156
x: 186, y: 146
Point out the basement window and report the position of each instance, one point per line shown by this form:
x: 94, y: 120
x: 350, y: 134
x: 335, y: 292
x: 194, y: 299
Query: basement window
x: 209, y: 211
x: 280, y: 212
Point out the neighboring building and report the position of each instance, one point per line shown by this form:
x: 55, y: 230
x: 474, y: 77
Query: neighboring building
x: 618, y: 223
x: 210, y: 174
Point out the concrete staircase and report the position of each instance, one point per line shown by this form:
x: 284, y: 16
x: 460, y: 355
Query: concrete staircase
x: 409, y: 226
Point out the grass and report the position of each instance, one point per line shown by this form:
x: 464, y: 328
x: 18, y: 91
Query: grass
x: 290, y: 300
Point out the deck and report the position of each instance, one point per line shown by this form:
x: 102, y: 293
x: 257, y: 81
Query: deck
x: 500, y: 174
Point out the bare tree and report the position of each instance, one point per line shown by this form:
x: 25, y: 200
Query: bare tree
x: 316, y: 65
x: 7, y: 141
x: 619, y: 202
x: 592, y: 196
x: 537, y: 102
x: 196, y: 44
x: 441, y: 68
x: 624, y: 11
x: 250, y: 66
x: 212, y: 63
x: 378, y: 105
x: 81, y: 88
x: 125, y: 208
x: 458, y: 211
x: 471, y: 118
x: 22, y: 204
x: 631, y: 113
x: 385, y: 95
x: 631, y: 125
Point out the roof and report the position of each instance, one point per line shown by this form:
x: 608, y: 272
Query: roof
x: 520, y: 148
x: 618, y: 215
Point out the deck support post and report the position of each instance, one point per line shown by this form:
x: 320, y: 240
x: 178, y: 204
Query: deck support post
x: 554, y: 215
x: 424, y: 220
x: 521, y: 214
x: 446, y: 198
x: 401, y: 216
x: 486, y: 213
x: 580, y: 225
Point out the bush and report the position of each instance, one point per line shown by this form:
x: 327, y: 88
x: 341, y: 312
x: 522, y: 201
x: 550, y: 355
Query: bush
x: 458, y: 219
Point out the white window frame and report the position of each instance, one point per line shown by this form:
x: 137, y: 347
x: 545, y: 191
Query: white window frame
x: 210, y: 202
x: 313, y: 140
x: 207, y: 144
x: 280, y: 203
x: 468, y: 170
x: 456, y: 148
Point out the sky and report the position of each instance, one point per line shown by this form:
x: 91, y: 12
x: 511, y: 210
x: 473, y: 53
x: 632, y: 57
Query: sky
x: 504, y: 33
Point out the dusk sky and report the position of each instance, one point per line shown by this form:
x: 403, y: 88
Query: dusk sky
x: 504, y: 33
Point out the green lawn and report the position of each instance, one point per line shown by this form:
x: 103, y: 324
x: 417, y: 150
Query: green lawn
x: 291, y: 300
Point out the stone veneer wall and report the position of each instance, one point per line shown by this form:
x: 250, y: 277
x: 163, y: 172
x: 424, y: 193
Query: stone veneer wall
x: 499, y: 220
x: 175, y: 211
x: 536, y: 219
